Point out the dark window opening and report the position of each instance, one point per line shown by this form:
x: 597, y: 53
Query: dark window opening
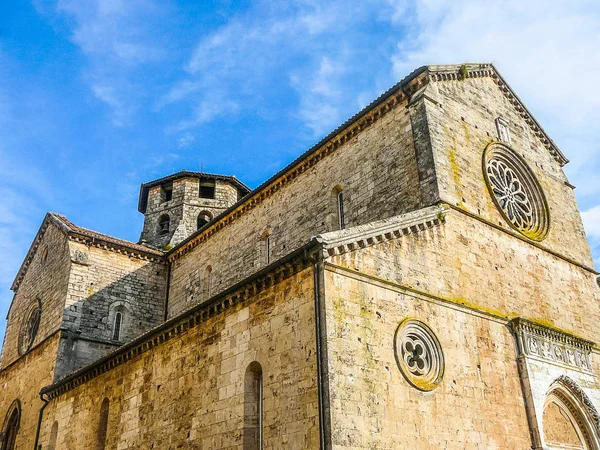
x: 102, y: 425
x: 166, y: 191
x: 207, y: 188
x: 253, y: 408
x: 117, y: 327
x: 164, y: 224
x: 203, y: 219
x: 342, y: 219
x: 12, y: 427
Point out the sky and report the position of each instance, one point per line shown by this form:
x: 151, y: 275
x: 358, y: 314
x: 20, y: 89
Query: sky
x: 99, y: 96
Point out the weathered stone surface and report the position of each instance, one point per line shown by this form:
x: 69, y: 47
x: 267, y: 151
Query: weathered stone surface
x: 514, y: 322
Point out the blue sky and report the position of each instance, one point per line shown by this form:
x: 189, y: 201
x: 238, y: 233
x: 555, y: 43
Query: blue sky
x: 98, y: 96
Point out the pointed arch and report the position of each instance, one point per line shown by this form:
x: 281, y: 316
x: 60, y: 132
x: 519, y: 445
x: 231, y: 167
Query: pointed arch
x: 570, y: 420
x: 10, y: 428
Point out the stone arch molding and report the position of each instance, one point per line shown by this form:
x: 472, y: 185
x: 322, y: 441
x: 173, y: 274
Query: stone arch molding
x: 574, y: 401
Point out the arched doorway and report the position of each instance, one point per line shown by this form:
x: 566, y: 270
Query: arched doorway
x: 570, y: 421
x: 11, y: 426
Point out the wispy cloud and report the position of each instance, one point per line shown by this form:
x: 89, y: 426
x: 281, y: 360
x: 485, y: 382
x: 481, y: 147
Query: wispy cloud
x: 117, y: 37
x: 310, y: 47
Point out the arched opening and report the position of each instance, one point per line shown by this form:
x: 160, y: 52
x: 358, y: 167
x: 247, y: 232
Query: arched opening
x: 338, y: 221
x: 567, y: 419
x: 164, y: 224
x: 11, y: 426
x: 203, y: 218
x: 253, y: 407
x: 207, y: 282
x: 53, y: 436
x: 265, y: 248
x: 102, y: 425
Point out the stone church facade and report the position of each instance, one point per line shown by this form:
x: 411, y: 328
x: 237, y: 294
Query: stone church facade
x: 420, y: 279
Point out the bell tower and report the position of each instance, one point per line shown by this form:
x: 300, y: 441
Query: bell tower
x: 178, y: 205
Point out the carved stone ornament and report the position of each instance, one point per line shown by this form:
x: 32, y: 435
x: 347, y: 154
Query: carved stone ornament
x: 419, y: 355
x: 516, y: 192
x: 583, y: 399
x: 551, y: 345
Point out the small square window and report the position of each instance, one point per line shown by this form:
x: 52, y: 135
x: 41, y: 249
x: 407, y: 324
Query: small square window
x: 207, y: 189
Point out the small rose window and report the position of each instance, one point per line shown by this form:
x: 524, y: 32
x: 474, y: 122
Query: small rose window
x: 419, y: 355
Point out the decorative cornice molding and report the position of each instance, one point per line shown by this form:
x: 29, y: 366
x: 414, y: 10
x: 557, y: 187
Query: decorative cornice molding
x: 115, y: 247
x: 551, y: 345
x: 239, y: 293
x: 362, y: 236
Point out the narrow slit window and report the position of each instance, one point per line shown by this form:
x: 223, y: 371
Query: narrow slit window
x: 253, y: 408
x: 340, y: 204
x: 118, y: 325
x: 268, y: 249
x: 102, y: 425
x: 207, y: 282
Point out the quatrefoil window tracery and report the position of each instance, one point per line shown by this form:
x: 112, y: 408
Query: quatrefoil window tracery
x: 419, y: 355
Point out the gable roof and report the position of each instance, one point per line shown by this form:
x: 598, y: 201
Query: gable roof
x: 80, y: 234
x: 404, y: 89
x: 143, y: 199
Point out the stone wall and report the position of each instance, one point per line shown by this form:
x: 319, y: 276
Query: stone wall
x: 479, y: 403
x: 23, y: 381
x: 46, y: 279
x: 101, y: 283
x: 462, y: 125
x: 468, y: 262
x: 188, y: 391
x: 378, y: 174
x: 183, y: 209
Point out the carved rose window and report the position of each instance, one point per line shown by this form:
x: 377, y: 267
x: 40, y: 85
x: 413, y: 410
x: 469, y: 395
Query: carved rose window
x: 419, y: 355
x: 516, y: 191
x: 30, y: 327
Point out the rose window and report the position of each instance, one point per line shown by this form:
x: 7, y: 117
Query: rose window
x: 516, y: 192
x: 30, y: 328
x: 419, y: 355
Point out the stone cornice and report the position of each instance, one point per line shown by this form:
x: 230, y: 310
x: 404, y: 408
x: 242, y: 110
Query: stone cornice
x: 540, y: 342
x: 116, y: 248
x: 362, y: 236
x: 239, y: 293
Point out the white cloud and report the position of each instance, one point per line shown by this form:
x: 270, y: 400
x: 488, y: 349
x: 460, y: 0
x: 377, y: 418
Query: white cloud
x: 547, y: 51
x: 117, y: 37
x: 591, y: 222
x: 320, y: 91
x: 186, y: 140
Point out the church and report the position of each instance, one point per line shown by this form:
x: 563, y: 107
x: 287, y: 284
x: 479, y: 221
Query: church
x: 418, y: 279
